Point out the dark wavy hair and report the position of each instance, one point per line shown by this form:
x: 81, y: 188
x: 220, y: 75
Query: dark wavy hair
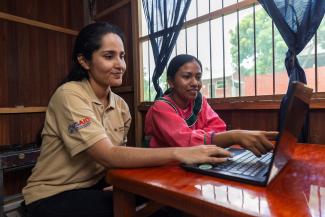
x: 88, y: 41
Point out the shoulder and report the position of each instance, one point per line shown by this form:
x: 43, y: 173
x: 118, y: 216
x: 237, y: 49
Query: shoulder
x: 69, y: 92
x: 75, y: 86
x: 165, y: 104
x: 72, y: 87
x: 119, y: 101
x: 204, y: 100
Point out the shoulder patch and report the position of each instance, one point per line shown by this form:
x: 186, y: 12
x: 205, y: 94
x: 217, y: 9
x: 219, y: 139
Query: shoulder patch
x: 74, y: 127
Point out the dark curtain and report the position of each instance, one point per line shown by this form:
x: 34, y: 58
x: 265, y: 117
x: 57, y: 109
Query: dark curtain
x: 297, y: 22
x: 165, y: 19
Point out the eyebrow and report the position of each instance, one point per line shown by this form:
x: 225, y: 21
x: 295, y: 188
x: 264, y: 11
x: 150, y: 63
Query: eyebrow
x: 112, y: 51
x: 188, y: 72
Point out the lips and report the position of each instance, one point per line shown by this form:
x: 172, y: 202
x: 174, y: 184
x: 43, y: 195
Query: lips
x: 117, y: 75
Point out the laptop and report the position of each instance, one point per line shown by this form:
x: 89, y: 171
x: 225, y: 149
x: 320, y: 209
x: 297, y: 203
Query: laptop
x: 244, y: 166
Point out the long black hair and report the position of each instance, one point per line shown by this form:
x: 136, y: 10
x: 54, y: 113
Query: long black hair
x: 88, y: 41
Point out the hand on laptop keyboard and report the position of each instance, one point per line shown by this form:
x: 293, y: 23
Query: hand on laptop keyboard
x: 257, y: 142
x: 202, y: 154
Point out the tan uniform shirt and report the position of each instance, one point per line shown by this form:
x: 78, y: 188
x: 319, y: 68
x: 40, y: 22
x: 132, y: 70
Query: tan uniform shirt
x: 75, y: 120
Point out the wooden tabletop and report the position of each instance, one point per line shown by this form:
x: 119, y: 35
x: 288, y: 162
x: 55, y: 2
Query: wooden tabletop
x: 299, y: 190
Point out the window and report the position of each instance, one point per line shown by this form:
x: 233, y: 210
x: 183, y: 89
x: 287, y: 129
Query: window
x: 241, y: 51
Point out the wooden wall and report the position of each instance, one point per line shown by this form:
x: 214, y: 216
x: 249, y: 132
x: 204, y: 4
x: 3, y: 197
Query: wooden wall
x: 33, y: 62
x: 36, y: 40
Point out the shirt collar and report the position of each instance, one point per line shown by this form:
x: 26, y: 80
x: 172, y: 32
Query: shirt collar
x: 94, y: 98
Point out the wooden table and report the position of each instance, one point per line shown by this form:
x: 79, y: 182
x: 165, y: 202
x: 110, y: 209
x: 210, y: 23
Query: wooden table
x: 299, y: 190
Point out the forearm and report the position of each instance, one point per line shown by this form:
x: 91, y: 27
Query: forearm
x: 224, y: 139
x: 128, y: 157
x: 112, y: 156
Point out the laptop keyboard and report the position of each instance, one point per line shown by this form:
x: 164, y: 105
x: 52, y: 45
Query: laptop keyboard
x: 246, y: 163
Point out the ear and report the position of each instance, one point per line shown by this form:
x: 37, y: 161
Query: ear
x: 170, y: 83
x: 83, y: 62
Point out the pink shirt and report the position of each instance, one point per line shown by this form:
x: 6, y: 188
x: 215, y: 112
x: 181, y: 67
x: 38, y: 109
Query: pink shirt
x: 166, y: 127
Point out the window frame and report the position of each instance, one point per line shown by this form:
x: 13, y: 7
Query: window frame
x: 225, y: 103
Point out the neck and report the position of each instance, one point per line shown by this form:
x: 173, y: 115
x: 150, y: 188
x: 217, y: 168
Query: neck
x: 180, y: 102
x: 101, y: 92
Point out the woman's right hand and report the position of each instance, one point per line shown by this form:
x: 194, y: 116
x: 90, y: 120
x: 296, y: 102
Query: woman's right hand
x: 202, y: 154
x: 257, y: 142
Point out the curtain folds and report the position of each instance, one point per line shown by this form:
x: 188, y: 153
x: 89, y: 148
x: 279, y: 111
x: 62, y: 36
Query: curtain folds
x: 297, y: 22
x: 165, y: 19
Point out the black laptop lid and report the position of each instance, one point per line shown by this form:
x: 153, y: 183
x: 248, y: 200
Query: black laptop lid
x: 296, y: 109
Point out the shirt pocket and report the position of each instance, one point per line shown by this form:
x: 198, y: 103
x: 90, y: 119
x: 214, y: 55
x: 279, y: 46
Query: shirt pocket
x: 116, y: 134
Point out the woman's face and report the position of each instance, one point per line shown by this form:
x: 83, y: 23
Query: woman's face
x: 107, y: 65
x: 187, y: 82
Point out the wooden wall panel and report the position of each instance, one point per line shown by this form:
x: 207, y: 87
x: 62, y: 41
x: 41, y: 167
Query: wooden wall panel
x: 102, y: 5
x: 20, y: 129
x: 316, y: 130
x: 250, y: 119
x: 34, y: 62
x: 63, y: 13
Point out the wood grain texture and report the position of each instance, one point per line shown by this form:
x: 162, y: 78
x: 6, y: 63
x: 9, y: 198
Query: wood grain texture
x: 111, y: 9
x: 67, y: 14
x: 20, y: 129
x: 34, y: 62
x: 18, y: 109
x: 296, y: 191
x: 119, y: 198
x: 35, y: 23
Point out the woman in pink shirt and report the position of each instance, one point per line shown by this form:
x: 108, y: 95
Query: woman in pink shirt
x: 183, y: 117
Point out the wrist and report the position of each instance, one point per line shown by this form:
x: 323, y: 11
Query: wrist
x: 233, y: 136
x: 176, y: 155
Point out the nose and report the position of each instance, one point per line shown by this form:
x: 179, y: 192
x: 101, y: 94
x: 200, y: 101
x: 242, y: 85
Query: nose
x: 194, y: 82
x: 120, y: 64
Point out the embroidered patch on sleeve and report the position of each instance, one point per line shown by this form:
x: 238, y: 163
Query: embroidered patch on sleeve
x: 74, y: 127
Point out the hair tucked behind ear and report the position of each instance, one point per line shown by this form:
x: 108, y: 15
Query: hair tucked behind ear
x: 88, y: 41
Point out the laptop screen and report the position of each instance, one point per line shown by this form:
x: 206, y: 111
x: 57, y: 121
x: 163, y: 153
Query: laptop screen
x: 296, y: 108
